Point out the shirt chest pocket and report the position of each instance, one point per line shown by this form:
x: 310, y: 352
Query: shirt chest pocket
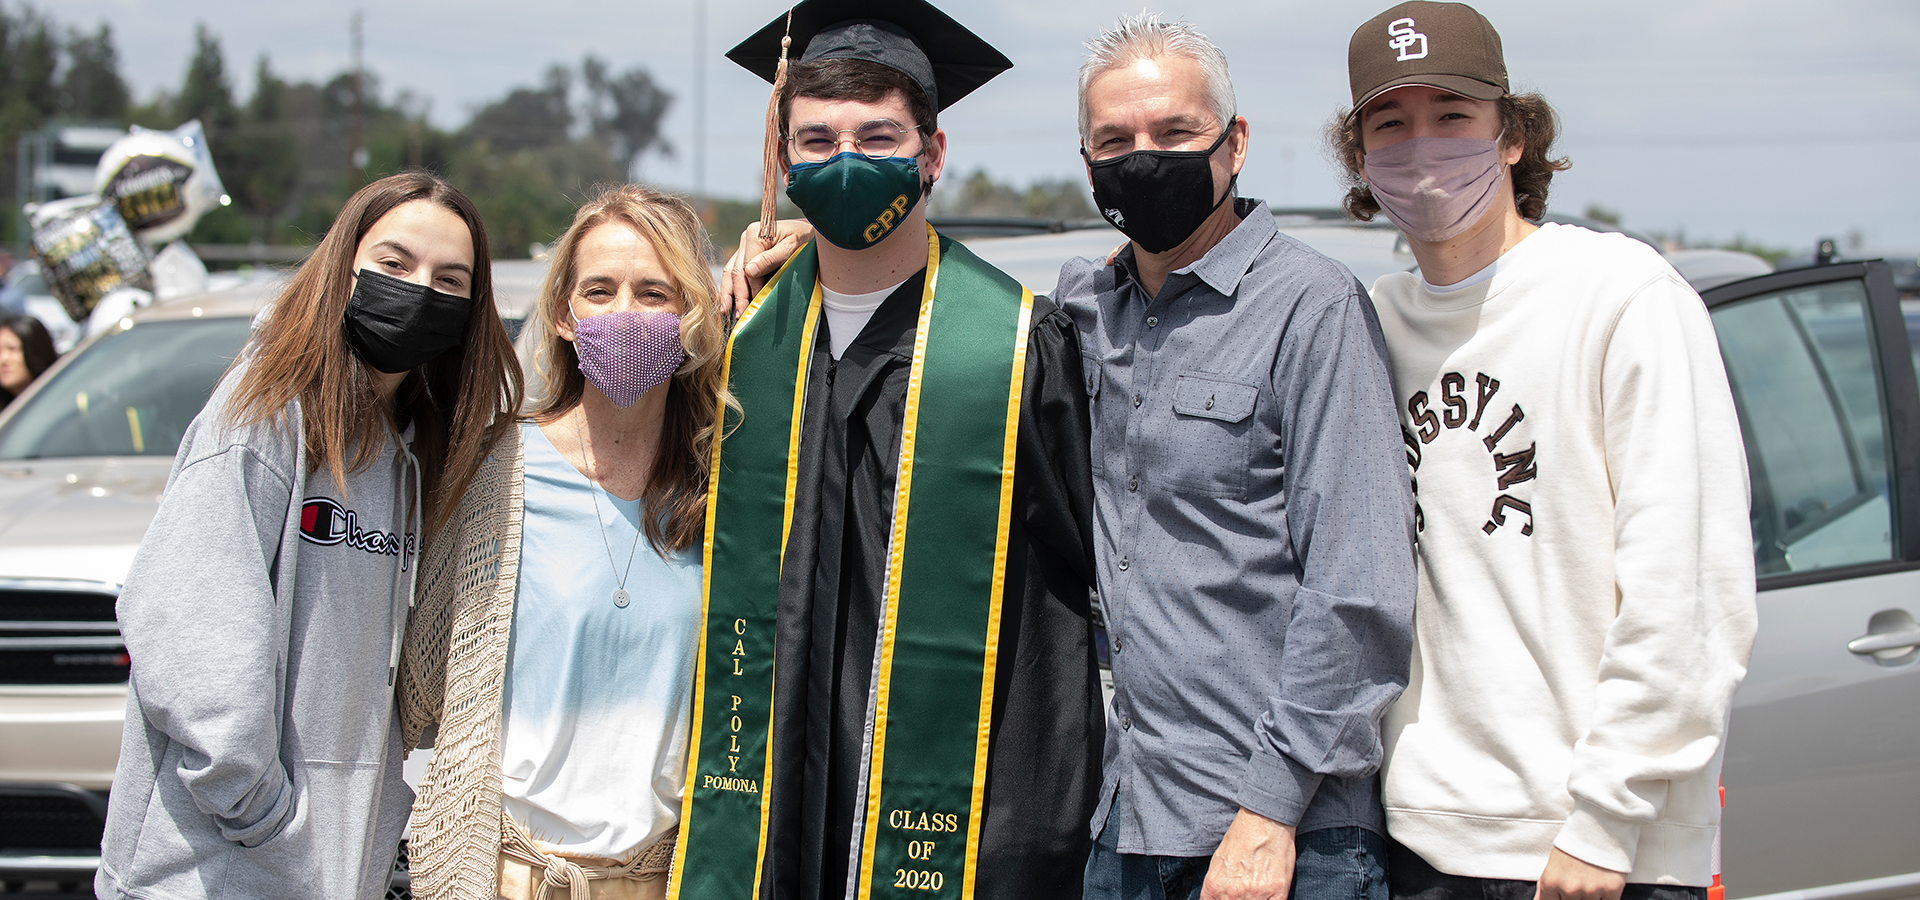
x: 1208, y: 443
x: 1103, y: 442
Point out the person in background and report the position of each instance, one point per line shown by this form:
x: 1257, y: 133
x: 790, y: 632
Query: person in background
x: 264, y: 608
x: 26, y: 350
x: 1586, y: 603
x: 554, y: 642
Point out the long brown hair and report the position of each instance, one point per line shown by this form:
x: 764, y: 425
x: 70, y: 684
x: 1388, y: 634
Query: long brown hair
x: 1525, y: 119
x: 459, y: 404
x: 36, y: 345
x: 674, y: 508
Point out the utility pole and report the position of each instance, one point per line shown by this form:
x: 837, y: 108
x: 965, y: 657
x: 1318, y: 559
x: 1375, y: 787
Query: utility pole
x: 359, y: 101
x: 700, y: 110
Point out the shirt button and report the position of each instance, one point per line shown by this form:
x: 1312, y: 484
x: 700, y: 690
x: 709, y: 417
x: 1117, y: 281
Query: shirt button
x: 1126, y: 723
x: 1153, y: 321
x: 1123, y: 564
x: 1116, y: 645
x: 1133, y: 483
x: 1136, y: 401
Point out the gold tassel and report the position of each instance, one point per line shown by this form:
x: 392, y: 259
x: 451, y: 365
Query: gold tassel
x: 770, y: 158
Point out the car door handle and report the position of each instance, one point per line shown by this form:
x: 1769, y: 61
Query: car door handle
x: 1876, y: 643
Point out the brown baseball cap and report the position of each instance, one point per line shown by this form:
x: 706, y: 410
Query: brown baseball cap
x: 1450, y: 46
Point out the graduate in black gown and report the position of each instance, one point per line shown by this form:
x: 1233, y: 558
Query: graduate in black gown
x: 855, y: 64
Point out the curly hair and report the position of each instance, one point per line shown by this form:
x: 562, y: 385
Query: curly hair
x: 1525, y: 119
x: 676, y: 498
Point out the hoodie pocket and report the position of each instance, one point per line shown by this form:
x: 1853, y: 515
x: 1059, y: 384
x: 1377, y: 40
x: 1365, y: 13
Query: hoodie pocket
x: 323, y: 845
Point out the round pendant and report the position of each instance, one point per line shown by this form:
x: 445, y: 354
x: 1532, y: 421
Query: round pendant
x: 620, y: 598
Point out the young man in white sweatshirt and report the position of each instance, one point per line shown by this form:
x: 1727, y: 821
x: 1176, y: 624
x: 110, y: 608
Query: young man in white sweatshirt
x: 1585, y: 604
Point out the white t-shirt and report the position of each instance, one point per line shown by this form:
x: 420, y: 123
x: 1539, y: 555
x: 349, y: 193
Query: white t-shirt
x: 1586, y: 600
x: 598, y: 697
x: 847, y: 314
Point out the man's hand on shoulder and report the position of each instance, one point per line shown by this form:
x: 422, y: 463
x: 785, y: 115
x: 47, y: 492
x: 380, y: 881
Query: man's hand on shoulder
x: 756, y: 259
x: 1254, y: 861
x: 1569, y: 878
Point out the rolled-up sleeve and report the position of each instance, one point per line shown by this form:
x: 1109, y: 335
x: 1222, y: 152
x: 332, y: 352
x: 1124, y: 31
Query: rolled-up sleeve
x: 1349, y: 509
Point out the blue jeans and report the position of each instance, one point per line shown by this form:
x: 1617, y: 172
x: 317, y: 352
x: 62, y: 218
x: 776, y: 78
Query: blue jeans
x: 1329, y: 864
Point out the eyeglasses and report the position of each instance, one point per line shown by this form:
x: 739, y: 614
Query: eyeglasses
x: 878, y: 139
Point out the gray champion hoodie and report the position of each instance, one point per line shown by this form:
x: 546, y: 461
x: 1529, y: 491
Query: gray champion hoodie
x: 261, y: 756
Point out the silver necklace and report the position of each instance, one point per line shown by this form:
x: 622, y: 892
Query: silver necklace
x: 620, y: 596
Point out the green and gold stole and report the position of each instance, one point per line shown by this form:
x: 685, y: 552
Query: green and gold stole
x: 946, y: 570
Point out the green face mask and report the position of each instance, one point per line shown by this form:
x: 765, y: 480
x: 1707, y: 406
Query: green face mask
x: 853, y: 201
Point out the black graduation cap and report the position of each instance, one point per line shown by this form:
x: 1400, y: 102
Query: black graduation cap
x: 911, y: 36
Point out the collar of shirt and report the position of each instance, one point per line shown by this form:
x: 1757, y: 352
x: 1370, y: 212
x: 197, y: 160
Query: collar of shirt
x: 1225, y: 263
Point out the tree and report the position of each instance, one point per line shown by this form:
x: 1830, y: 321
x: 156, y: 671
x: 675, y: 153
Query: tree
x: 207, y: 94
x: 527, y: 117
x: 625, y: 110
x: 29, y: 54
x: 92, y: 88
x: 980, y: 195
x: 263, y: 152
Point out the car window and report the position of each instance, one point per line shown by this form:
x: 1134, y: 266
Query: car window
x: 1805, y: 379
x: 131, y: 393
x: 31, y: 284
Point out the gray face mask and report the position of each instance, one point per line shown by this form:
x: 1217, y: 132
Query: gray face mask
x: 1435, y: 187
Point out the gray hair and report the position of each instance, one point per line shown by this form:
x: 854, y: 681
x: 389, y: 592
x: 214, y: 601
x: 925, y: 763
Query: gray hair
x: 1146, y: 37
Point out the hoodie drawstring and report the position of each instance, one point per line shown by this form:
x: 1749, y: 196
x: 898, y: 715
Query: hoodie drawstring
x: 410, y: 544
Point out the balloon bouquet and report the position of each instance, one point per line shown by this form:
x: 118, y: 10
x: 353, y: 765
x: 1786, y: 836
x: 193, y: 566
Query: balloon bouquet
x: 98, y: 253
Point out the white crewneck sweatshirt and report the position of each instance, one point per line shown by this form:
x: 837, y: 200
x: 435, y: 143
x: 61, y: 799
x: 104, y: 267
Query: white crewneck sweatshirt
x: 1586, y: 603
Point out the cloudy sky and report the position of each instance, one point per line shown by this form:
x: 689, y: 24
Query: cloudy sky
x: 1781, y: 121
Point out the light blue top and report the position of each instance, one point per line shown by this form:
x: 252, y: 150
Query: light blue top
x: 597, y: 696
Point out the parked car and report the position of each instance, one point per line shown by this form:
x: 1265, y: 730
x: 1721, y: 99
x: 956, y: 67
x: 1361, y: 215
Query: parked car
x: 1823, y: 760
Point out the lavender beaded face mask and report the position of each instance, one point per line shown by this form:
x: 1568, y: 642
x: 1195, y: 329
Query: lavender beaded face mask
x: 626, y: 354
x: 1435, y: 187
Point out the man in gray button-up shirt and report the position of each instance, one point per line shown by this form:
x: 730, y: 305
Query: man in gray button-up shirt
x: 1254, y: 522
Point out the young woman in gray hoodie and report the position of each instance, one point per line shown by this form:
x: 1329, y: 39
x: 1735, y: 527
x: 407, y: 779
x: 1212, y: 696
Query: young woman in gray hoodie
x: 265, y: 606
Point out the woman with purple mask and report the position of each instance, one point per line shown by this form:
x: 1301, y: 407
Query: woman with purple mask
x: 553, y: 651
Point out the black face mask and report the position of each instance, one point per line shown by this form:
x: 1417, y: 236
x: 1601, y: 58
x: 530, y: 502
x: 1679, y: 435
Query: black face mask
x: 1157, y: 198
x: 396, y: 325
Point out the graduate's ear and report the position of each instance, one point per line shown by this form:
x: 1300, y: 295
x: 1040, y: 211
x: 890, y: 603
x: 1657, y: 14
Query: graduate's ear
x: 935, y: 155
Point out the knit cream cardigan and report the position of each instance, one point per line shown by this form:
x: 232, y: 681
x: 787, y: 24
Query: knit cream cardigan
x: 452, y: 670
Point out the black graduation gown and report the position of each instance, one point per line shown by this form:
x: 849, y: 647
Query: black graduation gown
x: 1043, y: 771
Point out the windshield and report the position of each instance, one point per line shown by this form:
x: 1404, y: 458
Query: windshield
x: 131, y: 393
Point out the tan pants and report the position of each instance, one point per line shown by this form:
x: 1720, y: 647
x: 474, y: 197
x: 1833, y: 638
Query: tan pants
x: 520, y: 881
x: 528, y: 872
